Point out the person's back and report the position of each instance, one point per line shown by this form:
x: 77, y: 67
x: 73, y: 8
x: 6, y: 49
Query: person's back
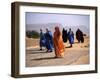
x: 64, y: 35
x: 78, y: 35
x: 58, y: 43
x: 82, y: 37
x: 42, y: 39
x: 70, y: 37
x: 49, y: 42
x: 42, y: 36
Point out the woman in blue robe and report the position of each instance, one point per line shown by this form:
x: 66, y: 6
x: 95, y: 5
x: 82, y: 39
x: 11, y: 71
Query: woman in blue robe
x: 49, y: 40
x: 71, y: 37
x: 42, y: 39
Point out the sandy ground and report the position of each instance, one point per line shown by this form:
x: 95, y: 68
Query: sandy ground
x: 77, y: 55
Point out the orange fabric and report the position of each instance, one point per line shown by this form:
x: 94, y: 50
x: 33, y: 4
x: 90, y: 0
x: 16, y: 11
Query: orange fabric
x: 58, y: 44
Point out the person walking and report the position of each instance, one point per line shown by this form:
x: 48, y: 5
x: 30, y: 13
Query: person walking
x: 71, y: 37
x: 49, y: 40
x: 58, y: 43
x: 42, y: 39
x: 64, y: 35
x: 79, y: 36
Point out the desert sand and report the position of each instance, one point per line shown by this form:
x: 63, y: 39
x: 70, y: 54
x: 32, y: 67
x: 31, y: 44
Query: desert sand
x: 77, y: 55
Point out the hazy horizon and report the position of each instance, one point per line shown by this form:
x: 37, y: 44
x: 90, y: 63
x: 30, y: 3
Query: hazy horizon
x: 35, y: 21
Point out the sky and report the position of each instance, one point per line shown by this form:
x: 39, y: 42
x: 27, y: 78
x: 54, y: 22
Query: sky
x: 64, y: 19
x: 74, y: 21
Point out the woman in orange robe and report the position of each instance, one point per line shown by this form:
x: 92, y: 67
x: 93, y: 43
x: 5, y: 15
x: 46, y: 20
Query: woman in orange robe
x: 58, y: 43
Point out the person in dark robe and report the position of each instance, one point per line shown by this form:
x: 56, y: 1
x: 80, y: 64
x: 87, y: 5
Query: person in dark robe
x: 79, y: 36
x: 49, y: 40
x: 73, y: 36
x: 64, y: 35
x: 42, y: 39
x: 70, y: 37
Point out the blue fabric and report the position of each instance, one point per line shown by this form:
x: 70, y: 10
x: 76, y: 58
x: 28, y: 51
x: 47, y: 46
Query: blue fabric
x: 49, y: 40
x: 71, y: 40
x: 42, y: 39
x: 71, y: 37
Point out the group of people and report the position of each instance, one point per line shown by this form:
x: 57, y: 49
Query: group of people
x: 56, y: 41
x: 51, y: 41
x: 70, y: 36
x: 46, y: 40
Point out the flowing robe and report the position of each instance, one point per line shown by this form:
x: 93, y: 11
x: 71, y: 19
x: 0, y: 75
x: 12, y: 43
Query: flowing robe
x: 79, y: 36
x: 71, y: 37
x: 42, y: 40
x: 64, y: 35
x: 58, y: 45
x: 49, y: 40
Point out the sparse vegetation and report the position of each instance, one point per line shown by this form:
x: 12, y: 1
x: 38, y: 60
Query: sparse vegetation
x: 32, y: 34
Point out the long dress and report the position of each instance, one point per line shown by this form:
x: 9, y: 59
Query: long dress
x: 42, y: 40
x: 79, y: 36
x: 49, y: 41
x: 64, y: 35
x: 58, y: 45
x: 71, y: 37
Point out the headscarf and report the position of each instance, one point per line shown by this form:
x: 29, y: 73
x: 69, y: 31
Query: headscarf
x: 57, y: 31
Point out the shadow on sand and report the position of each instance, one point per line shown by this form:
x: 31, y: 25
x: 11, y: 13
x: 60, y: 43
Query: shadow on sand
x: 71, y: 46
x: 46, y: 58
x: 68, y: 47
x: 35, y: 51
